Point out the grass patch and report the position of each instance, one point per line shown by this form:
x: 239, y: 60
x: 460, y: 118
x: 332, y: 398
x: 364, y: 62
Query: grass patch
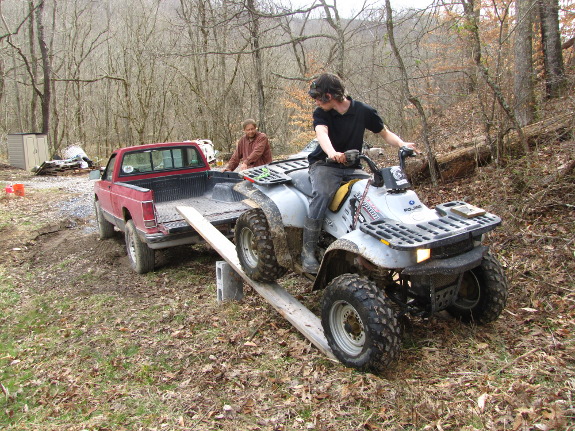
x: 61, y: 365
x: 8, y: 294
x: 65, y: 263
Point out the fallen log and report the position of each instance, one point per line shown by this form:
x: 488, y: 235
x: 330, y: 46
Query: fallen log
x: 463, y: 161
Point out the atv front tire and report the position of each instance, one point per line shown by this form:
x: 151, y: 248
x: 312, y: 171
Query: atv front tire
x: 359, y: 323
x: 141, y: 257
x: 483, y: 293
x: 255, y: 247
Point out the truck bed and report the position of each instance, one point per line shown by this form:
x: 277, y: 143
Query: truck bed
x: 210, y: 193
x: 216, y: 212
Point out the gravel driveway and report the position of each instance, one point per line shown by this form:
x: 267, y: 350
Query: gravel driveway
x: 79, y: 205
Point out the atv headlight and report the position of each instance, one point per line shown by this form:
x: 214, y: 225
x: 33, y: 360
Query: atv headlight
x: 423, y: 254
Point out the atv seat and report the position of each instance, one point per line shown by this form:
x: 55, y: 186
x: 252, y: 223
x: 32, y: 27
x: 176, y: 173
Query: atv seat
x: 341, y: 195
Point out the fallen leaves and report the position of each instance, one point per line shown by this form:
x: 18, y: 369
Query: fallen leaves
x: 118, y: 342
x: 481, y: 401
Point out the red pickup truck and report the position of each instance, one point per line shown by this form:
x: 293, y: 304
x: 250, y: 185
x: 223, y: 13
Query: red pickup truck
x: 141, y: 186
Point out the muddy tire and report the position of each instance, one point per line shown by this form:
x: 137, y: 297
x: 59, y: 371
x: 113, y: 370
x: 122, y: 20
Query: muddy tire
x: 483, y: 293
x: 105, y: 228
x: 141, y: 257
x: 359, y: 323
x: 255, y: 247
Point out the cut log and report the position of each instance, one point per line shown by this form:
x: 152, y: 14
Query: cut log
x: 463, y: 161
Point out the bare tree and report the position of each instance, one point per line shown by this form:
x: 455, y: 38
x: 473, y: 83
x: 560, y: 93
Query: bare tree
x: 473, y: 28
x: 334, y: 21
x: 412, y: 99
x: 33, y: 61
x: 254, y: 30
x: 552, y: 53
x: 523, y: 79
x: 114, y: 73
x: 209, y: 70
x: 46, y: 94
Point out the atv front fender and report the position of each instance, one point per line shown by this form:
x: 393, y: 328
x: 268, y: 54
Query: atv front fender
x: 357, y: 243
x: 274, y: 219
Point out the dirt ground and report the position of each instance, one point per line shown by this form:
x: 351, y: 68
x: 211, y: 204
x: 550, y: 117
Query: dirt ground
x: 95, y: 346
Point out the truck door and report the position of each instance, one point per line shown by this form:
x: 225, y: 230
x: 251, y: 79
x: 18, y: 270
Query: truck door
x: 105, y: 187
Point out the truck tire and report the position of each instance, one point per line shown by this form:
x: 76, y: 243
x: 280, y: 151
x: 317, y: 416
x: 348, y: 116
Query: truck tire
x: 483, y: 293
x: 255, y: 247
x: 359, y: 323
x: 141, y: 257
x: 105, y: 228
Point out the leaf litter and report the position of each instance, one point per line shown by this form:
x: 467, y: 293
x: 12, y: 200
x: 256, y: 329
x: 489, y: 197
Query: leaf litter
x: 89, y: 345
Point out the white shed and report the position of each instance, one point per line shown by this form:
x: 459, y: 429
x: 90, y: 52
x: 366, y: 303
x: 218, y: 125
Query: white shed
x: 26, y: 150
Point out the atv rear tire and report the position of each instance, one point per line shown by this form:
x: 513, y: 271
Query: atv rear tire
x: 359, y: 323
x: 483, y: 293
x: 105, y: 228
x: 141, y: 257
x: 255, y: 247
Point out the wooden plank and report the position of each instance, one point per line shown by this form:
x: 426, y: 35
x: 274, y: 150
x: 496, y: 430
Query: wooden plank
x: 294, y: 311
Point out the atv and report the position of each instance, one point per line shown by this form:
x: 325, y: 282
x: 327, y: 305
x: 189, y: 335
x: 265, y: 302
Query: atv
x: 383, y: 254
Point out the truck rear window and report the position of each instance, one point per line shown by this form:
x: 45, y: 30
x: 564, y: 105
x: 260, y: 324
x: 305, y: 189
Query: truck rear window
x: 163, y: 159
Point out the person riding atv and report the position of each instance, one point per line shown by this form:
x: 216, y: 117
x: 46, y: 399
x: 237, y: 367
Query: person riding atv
x: 340, y: 124
x: 382, y: 254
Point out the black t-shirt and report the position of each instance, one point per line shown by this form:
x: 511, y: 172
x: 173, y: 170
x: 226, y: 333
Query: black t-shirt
x: 346, y: 131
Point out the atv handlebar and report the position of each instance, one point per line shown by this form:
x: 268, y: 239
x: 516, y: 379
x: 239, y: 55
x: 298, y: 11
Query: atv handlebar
x: 403, y: 153
x: 352, y: 156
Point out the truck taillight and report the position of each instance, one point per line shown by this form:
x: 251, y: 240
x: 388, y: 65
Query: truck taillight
x: 149, y: 214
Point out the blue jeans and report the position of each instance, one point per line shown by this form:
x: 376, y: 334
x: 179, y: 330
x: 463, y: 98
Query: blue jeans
x: 325, y: 180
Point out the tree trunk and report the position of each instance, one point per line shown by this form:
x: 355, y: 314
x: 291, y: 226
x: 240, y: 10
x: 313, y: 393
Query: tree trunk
x: 473, y: 27
x: 47, y: 71
x: 255, y: 36
x: 551, y: 41
x: 523, y: 80
x: 2, y: 82
x: 412, y: 99
x: 33, y: 67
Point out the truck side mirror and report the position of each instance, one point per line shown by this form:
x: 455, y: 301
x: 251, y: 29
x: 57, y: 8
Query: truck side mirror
x: 95, y: 175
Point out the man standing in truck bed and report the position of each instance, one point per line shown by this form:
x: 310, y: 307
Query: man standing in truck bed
x: 253, y: 149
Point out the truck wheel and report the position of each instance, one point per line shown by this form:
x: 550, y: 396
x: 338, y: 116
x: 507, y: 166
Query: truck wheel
x: 142, y: 257
x: 105, y: 228
x: 359, y: 323
x: 483, y: 293
x: 255, y: 247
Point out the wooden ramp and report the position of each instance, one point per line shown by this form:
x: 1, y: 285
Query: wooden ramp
x: 294, y: 311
